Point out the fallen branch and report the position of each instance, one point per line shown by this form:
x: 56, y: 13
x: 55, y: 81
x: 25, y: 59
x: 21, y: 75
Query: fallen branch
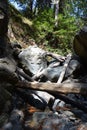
x: 56, y: 56
x: 64, y: 69
x: 57, y: 96
x: 79, y: 88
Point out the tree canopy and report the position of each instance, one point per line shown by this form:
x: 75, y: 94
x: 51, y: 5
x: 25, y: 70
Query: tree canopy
x: 55, y: 22
x: 76, y: 7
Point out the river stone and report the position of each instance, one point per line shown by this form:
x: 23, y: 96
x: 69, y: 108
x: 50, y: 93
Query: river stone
x: 73, y: 68
x: 38, y: 99
x: 80, y: 44
x: 51, y: 121
x: 51, y: 73
x: 58, y: 103
x: 33, y: 58
x: 15, y: 121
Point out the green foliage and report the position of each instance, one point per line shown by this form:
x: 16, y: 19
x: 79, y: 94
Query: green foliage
x: 43, y: 23
x: 43, y: 29
x: 68, y: 26
x: 60, y: 39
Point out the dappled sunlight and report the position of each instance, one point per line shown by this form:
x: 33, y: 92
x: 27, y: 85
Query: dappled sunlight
x: 26, y: 21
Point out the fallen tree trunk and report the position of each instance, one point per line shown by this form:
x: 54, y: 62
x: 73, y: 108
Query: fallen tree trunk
x: 70, y: 87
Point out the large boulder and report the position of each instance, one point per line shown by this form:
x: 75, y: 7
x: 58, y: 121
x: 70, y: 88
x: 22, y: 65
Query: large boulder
x: 33, y: 58
x: 80, y: 44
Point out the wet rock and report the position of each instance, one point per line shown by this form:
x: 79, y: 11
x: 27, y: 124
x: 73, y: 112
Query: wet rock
x: 37, y: 99
x: 51, y: 121
x: 69, y: 115
x: 51, y: 73
x: 58, y: 103
x: 15, y: 121
x: 34, y: 62
x: 80, y: 115
x: 39, y: 117
x: 73, y: 68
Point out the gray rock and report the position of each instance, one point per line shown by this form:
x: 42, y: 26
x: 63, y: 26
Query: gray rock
x: 51, y: 121
x: 33, y: 58
x: 57, y: 103
x: 39, y: 99
x: 52, y: 73
x: 15, y: 121
x: 73, y: 68
x: 38, y: 117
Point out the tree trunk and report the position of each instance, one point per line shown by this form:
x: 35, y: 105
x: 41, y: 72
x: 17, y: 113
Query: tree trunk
x: 3, y: 25
x: 65, y: 88
x: 56, y: 12
x: 62, y: 6
x: 3, y: 17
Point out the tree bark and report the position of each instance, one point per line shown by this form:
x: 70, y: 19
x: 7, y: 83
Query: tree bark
x: 65, y: 88
x: 56, y: 12
x: 3, y: 26
x: 3, y: 17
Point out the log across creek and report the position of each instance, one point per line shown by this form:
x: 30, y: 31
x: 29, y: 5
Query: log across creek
x: 65, y: 88
x: 58, y: 90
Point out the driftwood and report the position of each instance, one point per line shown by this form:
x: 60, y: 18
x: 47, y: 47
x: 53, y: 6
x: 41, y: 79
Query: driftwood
x: 64, y: 69
x: 56, y: 56
x: 71, y: 87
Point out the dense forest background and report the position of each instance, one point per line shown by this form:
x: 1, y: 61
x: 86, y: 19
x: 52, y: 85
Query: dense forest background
x: 52, y: 24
